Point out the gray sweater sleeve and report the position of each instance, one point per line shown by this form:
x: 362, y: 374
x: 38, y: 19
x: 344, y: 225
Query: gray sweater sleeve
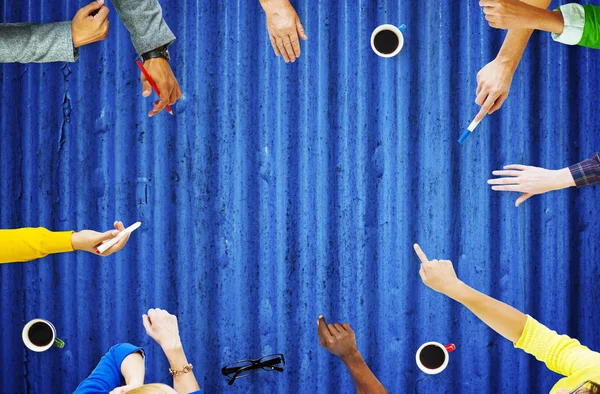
x: 32, y: 43
x: 143, y: 19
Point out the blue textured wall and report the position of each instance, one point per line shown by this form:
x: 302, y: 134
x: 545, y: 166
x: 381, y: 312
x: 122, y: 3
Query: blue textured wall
x: 281, y: 192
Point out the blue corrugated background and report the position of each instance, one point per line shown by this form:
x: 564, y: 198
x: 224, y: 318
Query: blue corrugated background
x: 281, y: 192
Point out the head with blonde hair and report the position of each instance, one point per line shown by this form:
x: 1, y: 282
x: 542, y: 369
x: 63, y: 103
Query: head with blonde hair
x: 155, y: 388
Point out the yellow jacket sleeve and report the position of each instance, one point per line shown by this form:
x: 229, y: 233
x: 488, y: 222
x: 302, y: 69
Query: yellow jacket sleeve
x: 26, y: 244
x: 561, y: 354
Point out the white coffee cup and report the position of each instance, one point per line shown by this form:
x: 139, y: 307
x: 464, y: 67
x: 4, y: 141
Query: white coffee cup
x: 388, y: 28
x: 430, y: 370
x: 39, y: 335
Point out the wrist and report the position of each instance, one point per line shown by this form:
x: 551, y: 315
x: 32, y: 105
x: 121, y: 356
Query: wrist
x: 456, y: 290
x: 75, y: 243
x: 563, y: 179
x: 174, y: 353
x: 76, y: 43
x: 266, y: 4
x: 354, y: 357
x: 507, y: 61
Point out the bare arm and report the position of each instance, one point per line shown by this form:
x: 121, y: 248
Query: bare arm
x: 183, y: 383
x: 163, y: 328
x: 364, y: 379
x: 340, y: 340
x: 495, y: 78
x: 500, y: 317
x: 133, y: 370
x: 516, y: 40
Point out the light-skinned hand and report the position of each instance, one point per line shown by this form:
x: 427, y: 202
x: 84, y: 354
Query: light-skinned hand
x: 493, y: 85
x: 161, y: 326
x: 530, y: 180
x: 284, y: 28
x: 161, y: 73
x: 438, y: 275
x: 89, y: 240
x: 338, y: 339
x: 508, y: 14
x: 90, y: 24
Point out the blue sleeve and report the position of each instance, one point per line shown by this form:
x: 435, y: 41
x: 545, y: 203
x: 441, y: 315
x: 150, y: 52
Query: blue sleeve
x: 197, y: 392
x: 107, y: 374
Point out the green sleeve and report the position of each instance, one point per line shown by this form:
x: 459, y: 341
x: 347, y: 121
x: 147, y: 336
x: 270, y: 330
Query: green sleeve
x: 591, y: 29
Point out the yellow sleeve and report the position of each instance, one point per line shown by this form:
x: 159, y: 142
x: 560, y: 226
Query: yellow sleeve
x: 26, y: 244
x: 561, y: 354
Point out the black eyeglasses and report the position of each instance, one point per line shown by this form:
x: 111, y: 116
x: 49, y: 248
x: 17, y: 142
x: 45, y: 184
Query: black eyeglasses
x: 241, y: 369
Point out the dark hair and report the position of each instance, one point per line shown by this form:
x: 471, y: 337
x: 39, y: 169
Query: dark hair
x: 588, y: 388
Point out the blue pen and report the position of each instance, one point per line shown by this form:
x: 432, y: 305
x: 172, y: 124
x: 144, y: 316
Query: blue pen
x: 467, y: 133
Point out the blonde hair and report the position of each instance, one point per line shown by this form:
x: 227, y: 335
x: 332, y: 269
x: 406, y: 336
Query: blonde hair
x: 155, y: 388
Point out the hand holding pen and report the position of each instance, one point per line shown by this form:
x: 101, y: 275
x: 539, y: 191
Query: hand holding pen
x: 90, y: 241
x: 157, y: 74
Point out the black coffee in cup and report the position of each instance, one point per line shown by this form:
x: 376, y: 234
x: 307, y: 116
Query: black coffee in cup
x: 386, y: 42
x: 40, y: 334
x: 432, y: 357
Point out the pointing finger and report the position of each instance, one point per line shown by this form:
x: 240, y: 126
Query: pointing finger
x: 323, y: 329
x: 420, y: 253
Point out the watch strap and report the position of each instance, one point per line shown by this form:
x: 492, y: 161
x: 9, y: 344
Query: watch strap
x: 161, y: 52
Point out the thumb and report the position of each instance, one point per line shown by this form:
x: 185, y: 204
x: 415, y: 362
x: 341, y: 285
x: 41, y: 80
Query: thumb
x: 93, y: 6
x: 146, y: 87
x: 300, y: 30
x: 522, y: 198
x: 147, y: 324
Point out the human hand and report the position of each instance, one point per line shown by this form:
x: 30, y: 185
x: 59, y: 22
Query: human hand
x: 338, y: 339
x: 437, y: 275
x: 89, y: 240
x: 530, y: 180
x: 493, y: 85
x: 508, y: 14
x: 284, y: 28
x: 161, y: 326
x: 161, y: 73
x: 90, y: 24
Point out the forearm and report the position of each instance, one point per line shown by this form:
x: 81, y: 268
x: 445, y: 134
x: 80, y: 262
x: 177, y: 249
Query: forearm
x: 32, y: 43
x: 133, y: 370
x: 182, y: 383
x: 27, y: 244
x: 269, y: 3
x: 516, y: 40
x: 550, y: 21
x: 500, y: 317
x: 364, y: 379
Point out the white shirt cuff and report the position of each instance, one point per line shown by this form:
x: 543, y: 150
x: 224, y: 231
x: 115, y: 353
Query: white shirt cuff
x: 574, y: 17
